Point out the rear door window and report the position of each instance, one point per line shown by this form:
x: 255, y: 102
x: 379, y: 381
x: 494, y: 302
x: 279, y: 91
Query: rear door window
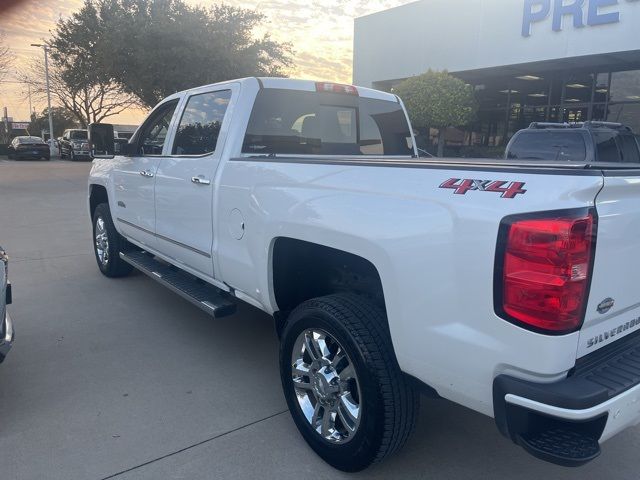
x: 549, y: 145
x: 312, y: 123
x: 201, y: 122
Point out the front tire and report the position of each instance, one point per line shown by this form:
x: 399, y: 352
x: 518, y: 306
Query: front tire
x: 72, y: 156
x: 108, y: 243
x: 342, y: 382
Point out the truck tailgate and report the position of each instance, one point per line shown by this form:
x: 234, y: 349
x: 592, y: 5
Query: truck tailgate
x: 613, y: 309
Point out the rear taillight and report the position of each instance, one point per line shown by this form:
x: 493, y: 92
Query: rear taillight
x: 543, y: 270
x: 327, y: 87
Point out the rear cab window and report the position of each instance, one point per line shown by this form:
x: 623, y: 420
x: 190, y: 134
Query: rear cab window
x: 563, y: 145
x: 292, y: 122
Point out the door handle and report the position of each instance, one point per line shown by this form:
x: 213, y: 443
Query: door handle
x: 146, y: 173
x: 200, y: 180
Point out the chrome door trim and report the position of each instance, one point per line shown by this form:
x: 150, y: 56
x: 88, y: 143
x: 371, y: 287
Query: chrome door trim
x: 162, y: 237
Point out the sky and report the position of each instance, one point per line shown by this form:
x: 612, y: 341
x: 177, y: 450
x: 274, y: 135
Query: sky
x: 321, y: 33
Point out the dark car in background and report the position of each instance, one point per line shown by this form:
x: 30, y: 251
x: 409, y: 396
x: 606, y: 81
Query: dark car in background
x: 575, y: 142
x: 28, y: 147
x: 74, y: 145
x: 6, y: 327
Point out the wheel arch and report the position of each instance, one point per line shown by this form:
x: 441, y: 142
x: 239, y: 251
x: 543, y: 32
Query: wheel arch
x: 292, y: 259
x: 97, y: 195
x: 301, y: 270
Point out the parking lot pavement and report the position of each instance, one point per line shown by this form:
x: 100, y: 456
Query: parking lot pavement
x: 122, y: 379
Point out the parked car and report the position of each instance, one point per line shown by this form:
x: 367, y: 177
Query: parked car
x: 28, y: 147
x: 6, y: 327
x: 74, y: 145
x: 387, y: 274
x: 575, y: 142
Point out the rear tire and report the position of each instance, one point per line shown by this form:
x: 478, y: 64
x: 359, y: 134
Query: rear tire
x: 383, y: 406
x: 108, y: 243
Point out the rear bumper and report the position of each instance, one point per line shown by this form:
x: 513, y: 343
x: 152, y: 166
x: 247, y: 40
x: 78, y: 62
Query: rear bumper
x: 7, y: 337
x: 20, y: 155
x: 599, y: 398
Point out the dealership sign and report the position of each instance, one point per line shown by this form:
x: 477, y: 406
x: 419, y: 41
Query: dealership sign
x: 19, y: 125
x: 582, y: 13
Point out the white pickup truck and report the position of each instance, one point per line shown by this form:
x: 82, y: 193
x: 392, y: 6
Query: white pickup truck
x: 506, y: 286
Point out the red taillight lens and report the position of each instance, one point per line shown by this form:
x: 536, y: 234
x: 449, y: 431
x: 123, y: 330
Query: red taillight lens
x: 546, y: 270
x: 327, y: 87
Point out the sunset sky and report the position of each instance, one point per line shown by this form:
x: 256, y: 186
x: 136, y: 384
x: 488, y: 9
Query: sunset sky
x: 321, y: 33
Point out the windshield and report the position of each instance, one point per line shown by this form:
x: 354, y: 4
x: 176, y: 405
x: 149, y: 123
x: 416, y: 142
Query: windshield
x: 310, y: 123
x: 78, y: 135
x: 548, y: 145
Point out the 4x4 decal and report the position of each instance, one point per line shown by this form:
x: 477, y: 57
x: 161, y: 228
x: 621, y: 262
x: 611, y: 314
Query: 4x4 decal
x: 506, y: 189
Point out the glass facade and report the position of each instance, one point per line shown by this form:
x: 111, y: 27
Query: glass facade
x: 508, y: 104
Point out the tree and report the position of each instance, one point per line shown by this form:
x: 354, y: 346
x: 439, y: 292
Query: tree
x: 88, y: 98
x: 439, y: 100
x: 6, y: 57
x: 62, y: 119
x: 153, y: 48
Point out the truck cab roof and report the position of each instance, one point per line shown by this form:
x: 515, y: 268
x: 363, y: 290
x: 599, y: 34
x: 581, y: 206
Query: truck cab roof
x: 297, y: 84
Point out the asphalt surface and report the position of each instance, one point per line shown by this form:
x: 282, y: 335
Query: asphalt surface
x: 123, y: 379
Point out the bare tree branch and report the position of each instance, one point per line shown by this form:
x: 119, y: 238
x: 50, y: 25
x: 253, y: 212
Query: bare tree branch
x: 90, y: 103
x: 6, y: 57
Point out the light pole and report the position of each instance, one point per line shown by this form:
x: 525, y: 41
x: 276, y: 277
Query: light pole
x: 46, y: 74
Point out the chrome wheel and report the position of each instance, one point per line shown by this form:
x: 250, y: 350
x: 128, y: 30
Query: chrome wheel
x: 102, y: 242
x: 326, y: 386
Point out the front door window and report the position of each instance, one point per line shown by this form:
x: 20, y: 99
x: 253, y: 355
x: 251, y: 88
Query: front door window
x: 154, y: 132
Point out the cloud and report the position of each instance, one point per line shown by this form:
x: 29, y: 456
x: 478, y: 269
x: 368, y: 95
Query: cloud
x: 320, y: 32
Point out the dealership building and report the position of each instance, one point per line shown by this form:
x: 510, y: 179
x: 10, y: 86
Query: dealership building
x: 528, y: 60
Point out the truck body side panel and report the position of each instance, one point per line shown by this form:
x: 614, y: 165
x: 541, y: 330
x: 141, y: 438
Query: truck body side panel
x: 613, y: 311
x: 434, y: 250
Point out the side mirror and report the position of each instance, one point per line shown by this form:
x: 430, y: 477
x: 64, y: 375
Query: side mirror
x: 101, y: 140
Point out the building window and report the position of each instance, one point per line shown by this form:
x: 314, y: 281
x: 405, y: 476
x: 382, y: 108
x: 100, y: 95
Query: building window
x: 578, y: 89
x: 599, y: 112
x: 575, y: 113
x: 601, y: 91
x: 625, y: 86
x: 627, y: 114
